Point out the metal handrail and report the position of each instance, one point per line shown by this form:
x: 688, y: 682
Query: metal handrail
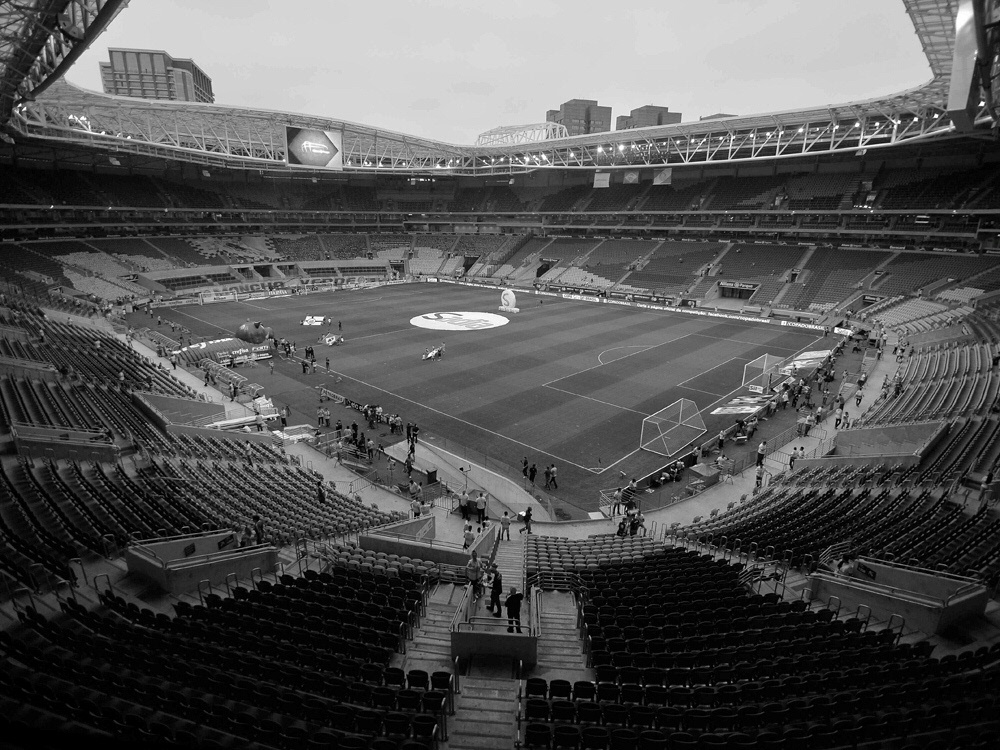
x: 458, y: 684
x: 463, y: 605
x: 79, y: 562
x: 107, y: 577
x: 535, y: 623
x: 870, y: 586
x: 902, y: 624
x: 211, y: 591
x: 22, y: 590
x: 59, y: 583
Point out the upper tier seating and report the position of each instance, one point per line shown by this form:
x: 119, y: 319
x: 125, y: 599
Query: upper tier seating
x: 681, y: 197
x: 612, y: 257
x: 734, y: 193
x: 344, y: 246
x: 304, y: 247
x: 823, y: 192
x: 753, y: 261
x: 568, y: 249
x: 565, y: 199
x: 615, y: 198
x: 908, y: 272
x: 832, y: 273
x: 672, y: 267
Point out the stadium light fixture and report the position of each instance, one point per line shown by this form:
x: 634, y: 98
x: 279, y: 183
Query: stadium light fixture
x: 600, y: 149
x: 621, y: 146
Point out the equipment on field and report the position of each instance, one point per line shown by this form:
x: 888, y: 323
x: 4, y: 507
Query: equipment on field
x: 760, y: 374
x: 672, y: 429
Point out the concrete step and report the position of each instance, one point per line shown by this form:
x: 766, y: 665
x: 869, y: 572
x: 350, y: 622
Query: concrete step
x: 485, y: 715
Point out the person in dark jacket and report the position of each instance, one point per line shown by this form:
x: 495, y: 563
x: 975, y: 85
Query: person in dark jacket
x: 513, y: 605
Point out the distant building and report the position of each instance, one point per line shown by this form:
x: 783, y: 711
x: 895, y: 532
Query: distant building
x: 581, y: 116
x: 647, y: 117
x: 716, y: 116
x: 153, y: 74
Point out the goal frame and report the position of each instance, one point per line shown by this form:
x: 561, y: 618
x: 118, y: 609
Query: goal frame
x: 670, y: 430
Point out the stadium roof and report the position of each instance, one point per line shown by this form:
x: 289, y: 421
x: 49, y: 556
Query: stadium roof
x: 40, y: 39
x: 244, y: 138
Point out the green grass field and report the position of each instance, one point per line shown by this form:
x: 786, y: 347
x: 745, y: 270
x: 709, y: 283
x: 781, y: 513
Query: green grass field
x: 563, y: 381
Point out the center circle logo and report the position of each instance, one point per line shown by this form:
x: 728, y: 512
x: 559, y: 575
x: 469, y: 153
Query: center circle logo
x: 459, y: 321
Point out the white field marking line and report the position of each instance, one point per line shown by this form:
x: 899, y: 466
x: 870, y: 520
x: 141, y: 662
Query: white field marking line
x: 707, y: 393
x: 742, y: 341
x: 258, y: 307
x: 200, y: 320
x: 459, y: 419
x: 384, y: 333
x: 615, y: 348
x: 710, y: 369
x: 597, y: 400
x: 594, y: 367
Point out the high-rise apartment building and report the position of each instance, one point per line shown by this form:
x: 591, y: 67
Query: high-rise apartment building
x: 581, y: 116
x: 153, y: 74
x: 647, y: 117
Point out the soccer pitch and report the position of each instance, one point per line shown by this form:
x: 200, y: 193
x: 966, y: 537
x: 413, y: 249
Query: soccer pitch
x: 563, y: 381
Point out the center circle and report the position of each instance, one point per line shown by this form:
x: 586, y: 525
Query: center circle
x: 459, y: 321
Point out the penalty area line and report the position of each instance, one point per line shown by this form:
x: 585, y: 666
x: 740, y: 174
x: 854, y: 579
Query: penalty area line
x: 594, y: 367
x: 459, y: 419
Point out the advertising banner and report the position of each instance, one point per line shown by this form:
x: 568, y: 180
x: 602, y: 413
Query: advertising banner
x: 318, y: 149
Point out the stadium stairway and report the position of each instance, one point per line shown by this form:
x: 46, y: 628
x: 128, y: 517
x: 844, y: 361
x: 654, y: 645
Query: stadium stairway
x: 485, y: 713
x: 559, y: 645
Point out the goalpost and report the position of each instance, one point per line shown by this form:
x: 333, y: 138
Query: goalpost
x: 671, y: 429
x: 759, y: 374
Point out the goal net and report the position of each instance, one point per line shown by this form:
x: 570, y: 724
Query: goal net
x: 672, y: 429
x: 759, y: 374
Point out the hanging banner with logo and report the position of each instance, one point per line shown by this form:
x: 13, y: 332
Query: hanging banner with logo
x: 319, y: 149
x: 743, y: 405
x: 602, y: 179
x: 664, y: 176
x: 807, y: 361
x: 631, y: 178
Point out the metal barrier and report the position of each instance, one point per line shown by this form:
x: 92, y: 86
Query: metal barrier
x: 106, y: 577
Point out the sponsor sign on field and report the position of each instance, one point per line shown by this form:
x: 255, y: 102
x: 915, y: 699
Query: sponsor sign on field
x: 459, y: 321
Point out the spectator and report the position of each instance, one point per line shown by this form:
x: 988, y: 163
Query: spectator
x: 496, y: 589
x: 505, y: 526
x: 481, y: 507
x: 463, y: 505
x: 513, y: 605
x: 616, y: 502
x: 258, y: 529
x: 474, y: 574
x: 527, y: 522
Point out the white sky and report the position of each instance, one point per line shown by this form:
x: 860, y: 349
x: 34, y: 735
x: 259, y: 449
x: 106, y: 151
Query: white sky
x: 451, y: 69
